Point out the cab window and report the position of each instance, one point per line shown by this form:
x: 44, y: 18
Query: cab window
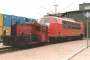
x: 54, y: 20
x: 44, y: 20
x: 44, y: 30
x: 37, y: 28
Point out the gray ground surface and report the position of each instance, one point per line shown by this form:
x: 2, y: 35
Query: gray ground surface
x: 84, y: 55
x: 49, y: 52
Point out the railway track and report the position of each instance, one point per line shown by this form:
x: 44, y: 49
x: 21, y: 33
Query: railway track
x: 5, y: 50
x: 28, y: 46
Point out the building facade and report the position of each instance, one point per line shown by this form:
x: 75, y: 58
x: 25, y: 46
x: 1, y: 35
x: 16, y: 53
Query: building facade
x: 79, y: 15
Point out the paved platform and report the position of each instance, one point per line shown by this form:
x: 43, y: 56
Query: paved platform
x: 81, y: 54
x: 84, y: 55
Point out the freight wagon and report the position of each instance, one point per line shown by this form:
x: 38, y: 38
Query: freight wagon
x: 5, y: 23
x: 62, y: 28
x: 21, y: 20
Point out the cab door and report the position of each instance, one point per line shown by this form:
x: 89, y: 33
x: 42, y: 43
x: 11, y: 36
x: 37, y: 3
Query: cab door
x: 37, y: 33
x: 44, y: 34
x: 41, y: 33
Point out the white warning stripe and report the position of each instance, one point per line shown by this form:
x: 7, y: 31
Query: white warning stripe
x: 73, y: 54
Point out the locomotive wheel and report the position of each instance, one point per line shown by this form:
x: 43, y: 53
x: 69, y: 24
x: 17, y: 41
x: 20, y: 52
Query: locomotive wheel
x: 15, y: 42
x: 58, y: 40
x: 81, y: 37
x: 70, y: 38
x: 51, y: 40
x: 64, y: 39
x: 74, y: 38
x: 19, y: 42
x: 5, y: 39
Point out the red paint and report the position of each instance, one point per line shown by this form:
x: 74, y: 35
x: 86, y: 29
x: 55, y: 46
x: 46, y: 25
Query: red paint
x: 56, y: 28
x: 30, y: 28
x: 41, y: 36
x: 25, y: 29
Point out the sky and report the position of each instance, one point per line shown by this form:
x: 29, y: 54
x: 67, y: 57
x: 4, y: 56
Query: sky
x: 33, y: 9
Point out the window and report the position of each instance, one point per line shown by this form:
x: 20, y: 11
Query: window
x: 43, y: 29
x: 54, y: 20
x: 64, y: 22
x: 77, y: 26
x: 37, y: 28
x: 71, y: 25
x: 44, y: 20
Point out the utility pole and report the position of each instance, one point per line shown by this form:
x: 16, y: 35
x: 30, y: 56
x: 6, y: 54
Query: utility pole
x: 87, y: 13
x: 85, y: 20
x: 56, y: 8
x: 84, y: 8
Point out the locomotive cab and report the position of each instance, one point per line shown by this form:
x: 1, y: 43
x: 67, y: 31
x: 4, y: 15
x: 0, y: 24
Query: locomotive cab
x: 41, y: 32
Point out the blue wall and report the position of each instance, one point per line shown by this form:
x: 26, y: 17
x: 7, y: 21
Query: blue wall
x: 15, y: 19
x: 6, y: 20
x: 31, y: 20
x: 18, y: 19
x: 21, y: 20
x: 9, y: 20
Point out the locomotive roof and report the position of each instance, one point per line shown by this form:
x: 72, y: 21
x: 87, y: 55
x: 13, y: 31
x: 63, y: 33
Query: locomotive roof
x: 62, y: 18
x: 32, y: 23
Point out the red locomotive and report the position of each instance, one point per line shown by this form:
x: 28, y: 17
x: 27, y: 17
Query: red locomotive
x: 29, y: 32
x: 49, y: 28
x: 62, y: 28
